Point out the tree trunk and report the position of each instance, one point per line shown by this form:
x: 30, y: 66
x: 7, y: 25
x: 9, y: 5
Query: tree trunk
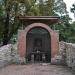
x: 6, y: 30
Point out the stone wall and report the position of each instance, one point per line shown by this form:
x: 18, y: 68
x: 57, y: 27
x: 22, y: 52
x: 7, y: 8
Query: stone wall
x: 5, y: 55
x: 67, y: 52
x: 9, y: 55
x: 66, y: 55
x: 60, y: 57
x: 70, y: 55
x: 15, y: 57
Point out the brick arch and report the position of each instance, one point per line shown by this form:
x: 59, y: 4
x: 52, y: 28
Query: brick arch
x: 28, y: 28
x: 53, y: 35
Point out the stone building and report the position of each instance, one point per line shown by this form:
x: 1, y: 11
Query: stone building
x: 37, y: 42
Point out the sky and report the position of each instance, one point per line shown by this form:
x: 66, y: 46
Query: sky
x: 69, y: 5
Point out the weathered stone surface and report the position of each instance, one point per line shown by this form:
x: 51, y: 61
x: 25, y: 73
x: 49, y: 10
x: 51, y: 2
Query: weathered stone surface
x: 5, y: 55
x: 57, y: 60
x: 62, y: 51
x: 66, y: 55
x: 67, y: 51
x: 14, y: 54
x: 16, y: 59
x: 61, y: 56
x: 70, y: 55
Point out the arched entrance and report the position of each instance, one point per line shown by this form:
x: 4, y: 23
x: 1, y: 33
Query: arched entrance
x: 38, y: 45
x: 22, y: 39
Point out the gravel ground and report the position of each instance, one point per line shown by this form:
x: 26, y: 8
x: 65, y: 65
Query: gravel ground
x: 36, y: 69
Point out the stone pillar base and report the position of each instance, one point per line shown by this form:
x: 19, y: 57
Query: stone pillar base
x: 32, y: 58
x: 22, y: 60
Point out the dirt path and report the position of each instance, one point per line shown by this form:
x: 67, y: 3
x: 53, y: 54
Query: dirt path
x: 36, y: 69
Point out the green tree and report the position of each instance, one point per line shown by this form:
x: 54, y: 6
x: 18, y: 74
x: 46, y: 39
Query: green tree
x: 64, y: 28
x: 60, y: 7
x: 46, y: 7
x: 73, y: 9
x: 10, y: 9
x: 7, y: 4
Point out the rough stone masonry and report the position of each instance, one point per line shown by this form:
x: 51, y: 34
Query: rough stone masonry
x: 67, y: 52
x: 66, y: 55
x: 5, y: 55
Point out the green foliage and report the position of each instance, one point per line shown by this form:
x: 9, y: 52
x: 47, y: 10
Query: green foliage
x: 9, y: 9
x: 66, y: 29
x: 60, y: 7
x: 73, y: 9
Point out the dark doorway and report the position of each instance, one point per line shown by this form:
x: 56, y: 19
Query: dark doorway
x: 38, y: 45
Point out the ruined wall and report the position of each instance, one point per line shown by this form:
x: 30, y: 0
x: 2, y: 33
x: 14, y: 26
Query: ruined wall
x: 70, y: 55
x: 67, y: 52
x: 66, y: 55
x: 5, y: 55
x: 9, y: 55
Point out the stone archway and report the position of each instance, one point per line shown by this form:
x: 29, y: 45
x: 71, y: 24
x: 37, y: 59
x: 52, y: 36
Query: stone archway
x: 22, y: 39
